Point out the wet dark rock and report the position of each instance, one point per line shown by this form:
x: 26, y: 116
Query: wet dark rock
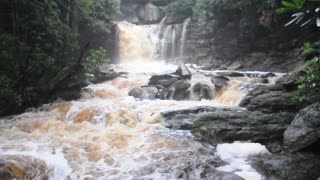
x: 270, y: 98
x: 231, y: 74
x: 227, y: 125
x: 144, y: 93
x: 268, y: 75
x: 106, y: 75
x: 289, y: 81
x: 202, y: 91
x: 214, y: 174
x: 163, y: 80
x: 288, y: 166
x: 219, y: 81
x: 169, y: 78
x: 219, y: 125
x: 184, y: 119
x: 177, y: 91
x: 261, y: 81
x: 183, y: 71
x: 304, y: 129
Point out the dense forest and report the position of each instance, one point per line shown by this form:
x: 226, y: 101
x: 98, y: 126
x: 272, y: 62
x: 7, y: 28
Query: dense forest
x: 47, y: 47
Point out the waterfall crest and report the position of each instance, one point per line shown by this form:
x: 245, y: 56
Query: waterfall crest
x: 153, y: 42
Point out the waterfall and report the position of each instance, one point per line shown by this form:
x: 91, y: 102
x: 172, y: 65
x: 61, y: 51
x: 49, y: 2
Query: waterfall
x: 171, y: 41
x: 184, y: 36
x: 149, y: 42
x: 137, y: 43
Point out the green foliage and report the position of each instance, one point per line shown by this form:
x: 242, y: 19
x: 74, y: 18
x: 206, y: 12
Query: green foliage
x: 181, y: 7
x: 309, y: 86
x: 95, y: 59
x: 97, y: 13
x: 207, y: 11
x: 44, y: 40
x: 304, y: 11
x: 308, y: 49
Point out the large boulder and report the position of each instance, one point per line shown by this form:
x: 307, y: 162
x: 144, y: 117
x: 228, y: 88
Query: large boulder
x: 202, y: 91
x: 167, y: 79
x: 287, y: 166
x: 144, y: 93
x: 270, y: 98
x: 178, y: 91
x: 183, y: 71
x: 219, y: 81
x: 304, y: 129
x: 219, y: 125
x: 149, y: 14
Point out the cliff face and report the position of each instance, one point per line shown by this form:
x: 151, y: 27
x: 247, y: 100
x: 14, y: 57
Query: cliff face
x: 252, y: 40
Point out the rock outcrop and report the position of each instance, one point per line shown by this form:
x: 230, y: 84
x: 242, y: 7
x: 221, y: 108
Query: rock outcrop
x: 270, y: 99
x: 144, y: 93
x: 287, y: 166
x: 149, y: 14
x: 219, y: 125
x: 304, y: 129
x: 170, y: 85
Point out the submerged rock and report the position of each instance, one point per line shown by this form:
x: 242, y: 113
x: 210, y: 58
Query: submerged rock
x: 287, y: 166
x: 22, y: 167
x: 304, y: 129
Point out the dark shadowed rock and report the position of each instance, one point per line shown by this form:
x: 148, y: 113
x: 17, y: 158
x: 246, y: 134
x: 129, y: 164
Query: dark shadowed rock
x: 270, y: 98
x: 184, y: 119
x: 268, y: 75
x: 202, y: 91
x: 219, y: 81
x: 220, y: 175
x: 288, y: 166
x: 219, y: 125
x: 106, y: 75
x: 183, y: 71
x: 231, y: 74
x: 304, y: 129
x: 177, y: 91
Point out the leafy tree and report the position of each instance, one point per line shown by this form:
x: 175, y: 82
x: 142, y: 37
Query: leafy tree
x: 40, y: 41
x: 304, y: 11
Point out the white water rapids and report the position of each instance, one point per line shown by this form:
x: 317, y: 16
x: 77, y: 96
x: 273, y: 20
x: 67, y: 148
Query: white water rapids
x: 107, y: 134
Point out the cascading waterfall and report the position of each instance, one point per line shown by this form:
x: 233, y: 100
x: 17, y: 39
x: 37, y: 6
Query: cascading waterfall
x: 184, y: 36
x: 171, y: 43
x: 107, y: 134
